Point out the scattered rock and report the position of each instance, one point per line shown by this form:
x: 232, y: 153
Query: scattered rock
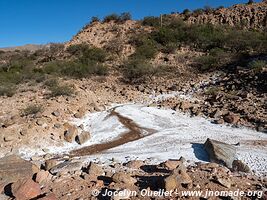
x: 50, y: 163
x: 43, y: 177
x: 56, y: 113
x: 40, y: 122
x: 83, y: 137
x: 135, y: 164
x: 220, y: 152
x: 70, y: 133
x: 171, y: 164
x: 66, y: 167
x: 13, y: 168
x: 238, y: 165
x: 123, y: 178
x: 95, y: 170
x: 25, y: 189
x: 178, y: 178
x: 231, y: 118
x: 224, y: 182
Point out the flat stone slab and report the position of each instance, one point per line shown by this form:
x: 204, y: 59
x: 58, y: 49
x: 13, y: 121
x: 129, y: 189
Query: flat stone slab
x: 13, y: 168
x: 220, y: 152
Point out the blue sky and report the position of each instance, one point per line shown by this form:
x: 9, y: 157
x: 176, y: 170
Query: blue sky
x: 42, y: 21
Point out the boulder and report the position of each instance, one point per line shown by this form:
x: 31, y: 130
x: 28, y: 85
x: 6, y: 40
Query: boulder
x: 50, y: 163
x: 178, y: 178
x: 13, y: 168
x: 134, y: 164
x: 123, y: 178
x: 220, y: 152
x: 83, y: 137
x: 42, y: 177
x: 95, y: 169
x: 25, y: 189
x: 171, y: 164
x: 66, y: 167
x: 71, y: 133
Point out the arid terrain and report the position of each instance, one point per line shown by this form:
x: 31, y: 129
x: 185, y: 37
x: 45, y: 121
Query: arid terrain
x: 148, y: 109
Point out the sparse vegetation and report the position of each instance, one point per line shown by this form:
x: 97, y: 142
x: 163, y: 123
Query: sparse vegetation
x: 31, y: 110
x: 257, y: 65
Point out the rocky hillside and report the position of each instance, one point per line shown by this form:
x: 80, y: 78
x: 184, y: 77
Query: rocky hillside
x: 249, y: 16
x: 253, y: 16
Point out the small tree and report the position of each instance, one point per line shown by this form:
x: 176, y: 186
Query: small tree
x: 94, y: 19
x: 186, y: 12
x: 250, y: 2
x: 111, y: 17
x: 125, y: 16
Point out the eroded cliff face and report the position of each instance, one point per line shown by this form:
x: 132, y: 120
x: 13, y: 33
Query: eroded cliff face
x: 252, y: 16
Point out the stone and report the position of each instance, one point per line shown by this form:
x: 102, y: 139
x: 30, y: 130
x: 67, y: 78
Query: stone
x: 219, y: 121
x: 95, y: 170
x: 66, y: 167
x: 134, y: 164
x: 185, y: 105
x: 83, y: 137
x: 231, y: 118
x: 123, y: 178
x: 43, y: 177
x: 40, y: 122
x: 220, y: 152
x: 13, y: 168
x: 81, y: 112
x: 171, y: 164
x: 10, y: 137
x: 239, y: 166
x: 50, y: 163
x: 25, y: 189
x: 56, y: 113
x: 224, y: 182
x: 179, y: 177
x: 71, y: 133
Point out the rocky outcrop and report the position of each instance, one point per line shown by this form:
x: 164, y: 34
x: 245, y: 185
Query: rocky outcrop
x: 252, y: 16
x: 13, y: 168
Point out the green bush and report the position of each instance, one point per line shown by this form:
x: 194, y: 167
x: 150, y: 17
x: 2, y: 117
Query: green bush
x: 125, y: 16
x: 138, y: 70
x: 78, y: 49
x: 94, y: 19
x: 61, y: 90
x: 7, y: 90
x: 151, y: 21
x: 111, y: 17
x: 31, y: 110
x: 147, y: 50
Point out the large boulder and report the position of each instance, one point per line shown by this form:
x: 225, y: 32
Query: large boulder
x: 220, y: 152
x: 13, y: 168
x: 25, y: 189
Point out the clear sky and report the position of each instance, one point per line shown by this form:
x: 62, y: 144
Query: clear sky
x: 42, y: 21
